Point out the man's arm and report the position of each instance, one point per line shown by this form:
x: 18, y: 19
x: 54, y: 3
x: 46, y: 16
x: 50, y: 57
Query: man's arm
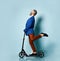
x: 29, y: 24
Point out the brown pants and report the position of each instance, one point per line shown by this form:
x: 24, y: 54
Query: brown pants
x: 32, y: 37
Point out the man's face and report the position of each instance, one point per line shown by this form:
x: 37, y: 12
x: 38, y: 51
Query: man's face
x: 32, y: 13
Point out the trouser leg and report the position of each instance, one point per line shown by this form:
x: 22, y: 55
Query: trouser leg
x: 32, y: 37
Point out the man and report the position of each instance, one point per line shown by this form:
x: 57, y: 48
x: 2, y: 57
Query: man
x: 29, y: 31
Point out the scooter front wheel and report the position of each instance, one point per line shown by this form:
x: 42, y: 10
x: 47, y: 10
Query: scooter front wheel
x: 21, y: 54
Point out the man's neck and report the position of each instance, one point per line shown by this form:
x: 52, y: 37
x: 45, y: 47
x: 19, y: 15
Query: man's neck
x: 32, y: 15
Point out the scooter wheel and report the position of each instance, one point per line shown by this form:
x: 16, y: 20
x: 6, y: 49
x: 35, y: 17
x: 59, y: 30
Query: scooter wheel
x: 21, y: 54
x: 41, y: 54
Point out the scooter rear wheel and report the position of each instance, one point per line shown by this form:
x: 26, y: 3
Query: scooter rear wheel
x: 41, y: 54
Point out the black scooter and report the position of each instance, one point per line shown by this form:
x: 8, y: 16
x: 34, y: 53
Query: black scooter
x: 23, y: 53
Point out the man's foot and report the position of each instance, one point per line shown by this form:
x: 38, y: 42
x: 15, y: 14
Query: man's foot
x: 33, y: 54
x: 44, y: 34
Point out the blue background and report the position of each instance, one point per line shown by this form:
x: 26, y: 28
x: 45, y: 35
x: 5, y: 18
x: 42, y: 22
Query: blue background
x: 13, y: 16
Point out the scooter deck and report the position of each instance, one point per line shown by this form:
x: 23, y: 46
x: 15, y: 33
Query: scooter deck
x: 41, y: 55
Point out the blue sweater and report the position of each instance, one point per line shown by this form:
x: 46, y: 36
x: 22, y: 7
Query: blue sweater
x: 29, y: 26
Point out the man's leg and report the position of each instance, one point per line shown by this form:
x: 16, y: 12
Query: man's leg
x: 32, y: 37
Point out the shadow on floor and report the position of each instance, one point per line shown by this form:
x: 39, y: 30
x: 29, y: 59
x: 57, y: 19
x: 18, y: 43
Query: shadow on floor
x: 32, y: 59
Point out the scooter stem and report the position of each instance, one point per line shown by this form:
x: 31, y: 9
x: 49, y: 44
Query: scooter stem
x: 23, y: 41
